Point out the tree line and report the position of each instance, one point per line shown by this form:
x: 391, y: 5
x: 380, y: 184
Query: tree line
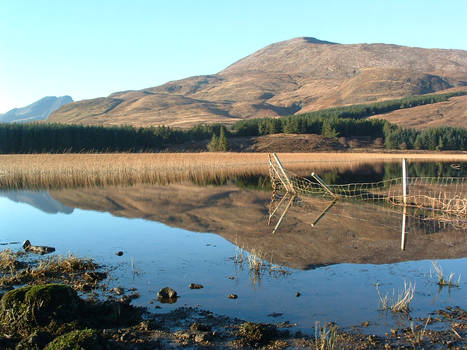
x: 58, y: 138
x: 335, y: 122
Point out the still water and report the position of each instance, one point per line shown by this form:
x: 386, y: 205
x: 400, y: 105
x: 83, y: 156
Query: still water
x: 182, y: 233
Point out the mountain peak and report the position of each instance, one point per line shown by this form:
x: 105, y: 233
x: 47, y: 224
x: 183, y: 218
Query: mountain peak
x: 38, y: 110
x: 312, y: 40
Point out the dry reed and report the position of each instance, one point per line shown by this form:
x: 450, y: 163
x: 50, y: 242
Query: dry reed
x: 442, y: 281
x: 56, y: 171
x: 70, y: 269
x: 399, y: 303
x: 325, y: 338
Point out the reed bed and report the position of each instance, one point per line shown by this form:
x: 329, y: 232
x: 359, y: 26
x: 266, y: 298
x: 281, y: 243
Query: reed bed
x: 56, y: 171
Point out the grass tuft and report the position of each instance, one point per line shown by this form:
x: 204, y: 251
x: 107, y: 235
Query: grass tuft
x: 325, y: 336
x: 399, y: 303
x: 442, y: 281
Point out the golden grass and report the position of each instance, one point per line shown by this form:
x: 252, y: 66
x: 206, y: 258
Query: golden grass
x: 54, y: 171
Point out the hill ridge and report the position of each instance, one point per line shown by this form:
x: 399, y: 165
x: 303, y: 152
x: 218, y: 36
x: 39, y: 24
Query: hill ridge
x: 292, y: 76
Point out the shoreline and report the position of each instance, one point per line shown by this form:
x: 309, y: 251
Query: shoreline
x: 188, y: 325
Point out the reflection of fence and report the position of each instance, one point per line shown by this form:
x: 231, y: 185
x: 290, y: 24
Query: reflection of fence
x: 443, y: 196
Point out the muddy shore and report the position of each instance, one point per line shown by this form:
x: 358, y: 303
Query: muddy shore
x: 86, y: 313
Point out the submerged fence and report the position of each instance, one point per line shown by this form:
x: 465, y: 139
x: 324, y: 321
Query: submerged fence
x: 442, y: 196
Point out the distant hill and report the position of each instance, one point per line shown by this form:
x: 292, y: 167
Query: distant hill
x: 288, y: 77
x: 38, y: 110
x: 447, y: 113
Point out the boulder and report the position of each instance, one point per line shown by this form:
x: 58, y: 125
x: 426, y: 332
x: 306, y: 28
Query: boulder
x: 167, y: 295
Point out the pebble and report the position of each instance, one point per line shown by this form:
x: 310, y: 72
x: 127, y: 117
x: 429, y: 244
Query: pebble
x: 118, y: 290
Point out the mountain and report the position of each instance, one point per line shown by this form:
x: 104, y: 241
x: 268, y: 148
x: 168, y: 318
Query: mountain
x: 293, y: 76
x: 38, y: 110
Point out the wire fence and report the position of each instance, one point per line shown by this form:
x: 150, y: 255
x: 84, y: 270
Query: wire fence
x: 441, y: 198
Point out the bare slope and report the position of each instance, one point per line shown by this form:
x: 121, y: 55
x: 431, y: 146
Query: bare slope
x: 448, y: 113
x: 288, y: 77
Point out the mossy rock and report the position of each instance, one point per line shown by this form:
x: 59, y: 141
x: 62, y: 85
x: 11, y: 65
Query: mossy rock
x: 46, y: 297
x: 33, y: 306
x: 88, y: 339
x: 51, y: 297
x: 257, y: 333
x: 13, y: 298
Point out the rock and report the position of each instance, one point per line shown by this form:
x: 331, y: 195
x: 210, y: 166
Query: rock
x: 94, y: 276
x: 195, y: 286
x: 257, y: 333
x: 38, y: 305
x: 27, y: 246
x: 196, y: 326
x: 134, y: 295
x: 298, y: 294
x: 36, y: 341
x: 233, y: 296
x: 119, y: 253
x: 184, y: 336
x: 231, y: 277
x: 202, y: 337
x: 167, y: 295
x: 118, y: 290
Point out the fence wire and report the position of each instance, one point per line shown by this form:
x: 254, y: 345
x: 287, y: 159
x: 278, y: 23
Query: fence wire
x: 443, y: 197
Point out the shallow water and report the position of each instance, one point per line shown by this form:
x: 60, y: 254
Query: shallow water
x: 181, y: 234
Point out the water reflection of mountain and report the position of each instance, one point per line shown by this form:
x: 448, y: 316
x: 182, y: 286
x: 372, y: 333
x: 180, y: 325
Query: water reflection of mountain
x: 349, y: 233
x: 40, y: 200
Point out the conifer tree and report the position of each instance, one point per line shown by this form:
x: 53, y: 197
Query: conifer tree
x: 214, y: 144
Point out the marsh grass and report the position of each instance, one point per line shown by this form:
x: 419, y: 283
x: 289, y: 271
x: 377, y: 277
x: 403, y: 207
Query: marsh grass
x: 325, y: 336
x: 258, y: 264
x: 134, y: 271
x: 70, y: 269
x: 441, y: 280
x: 57, y: 171
x: 399, y: 303
x: 417, y: 334
x: 9, y: 260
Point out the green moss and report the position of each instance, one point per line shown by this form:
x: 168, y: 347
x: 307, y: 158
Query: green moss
x: 14, y: 297
x: 88, y: 339
x: 50, y: 297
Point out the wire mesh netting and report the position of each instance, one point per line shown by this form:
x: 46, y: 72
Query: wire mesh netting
x: 442, y: 198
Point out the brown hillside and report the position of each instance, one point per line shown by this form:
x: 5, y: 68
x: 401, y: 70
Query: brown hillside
x: 288, y: 77
x: 448, y: 113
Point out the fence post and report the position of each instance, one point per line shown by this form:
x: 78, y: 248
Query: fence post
x: 404, y: 228
x: 404, y: 180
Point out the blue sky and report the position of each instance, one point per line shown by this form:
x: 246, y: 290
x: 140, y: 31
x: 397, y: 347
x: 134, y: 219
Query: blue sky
x: 89, y: 49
